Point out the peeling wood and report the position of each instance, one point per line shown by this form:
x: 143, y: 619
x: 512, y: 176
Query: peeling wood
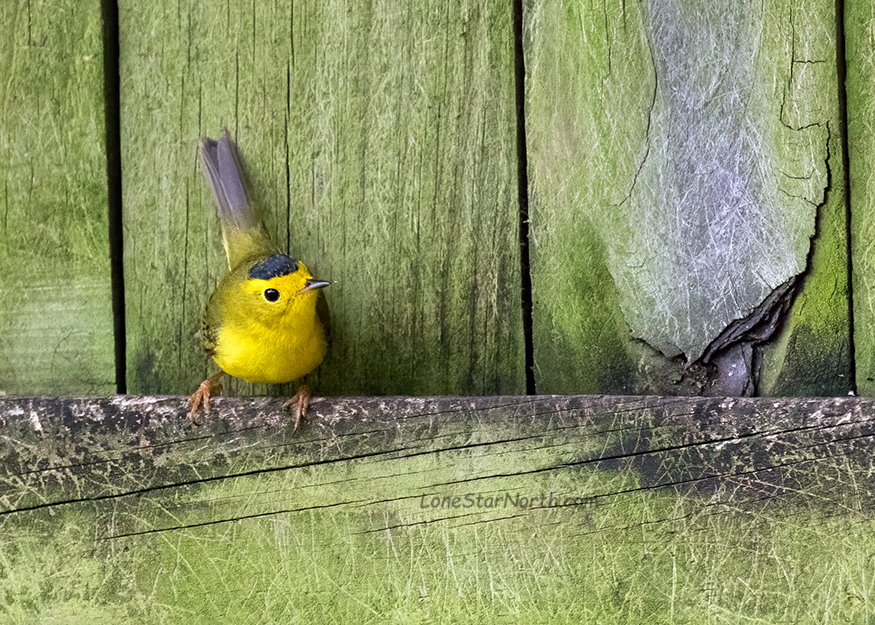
x: 674, y: 197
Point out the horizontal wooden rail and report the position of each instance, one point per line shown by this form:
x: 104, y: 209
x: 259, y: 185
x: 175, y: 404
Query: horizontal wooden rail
x: 403, y: 509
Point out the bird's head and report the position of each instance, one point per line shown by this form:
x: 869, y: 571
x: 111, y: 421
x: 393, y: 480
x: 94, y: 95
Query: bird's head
x: 279, y: 284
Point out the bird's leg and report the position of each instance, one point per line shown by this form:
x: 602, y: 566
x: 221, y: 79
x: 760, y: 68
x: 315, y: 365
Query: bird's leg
x: 207, y: 388
x: 302, y: 401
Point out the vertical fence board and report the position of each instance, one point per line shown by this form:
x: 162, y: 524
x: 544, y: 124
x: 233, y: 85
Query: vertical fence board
x: 860, y: 84
x: 812, y: 356
x: 681, y: 157
x: 56, y: 331
x: 380, y: 144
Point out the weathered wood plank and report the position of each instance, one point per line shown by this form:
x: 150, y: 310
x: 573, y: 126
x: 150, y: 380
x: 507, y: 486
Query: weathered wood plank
x: 654, y: 509
x: 680, y: 153
x: 812, y: 354
x: 380, y: 142
x: 56, y: 329
x: 860, y: 85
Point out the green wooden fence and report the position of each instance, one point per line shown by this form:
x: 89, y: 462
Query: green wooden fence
x: 663, y: 197
x: 687, y: 179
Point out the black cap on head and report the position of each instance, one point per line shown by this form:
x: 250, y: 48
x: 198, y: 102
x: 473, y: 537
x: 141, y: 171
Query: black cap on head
x: 273, y: 267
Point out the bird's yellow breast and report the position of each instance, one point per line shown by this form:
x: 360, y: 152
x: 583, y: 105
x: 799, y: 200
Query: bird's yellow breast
x: 274, y: 354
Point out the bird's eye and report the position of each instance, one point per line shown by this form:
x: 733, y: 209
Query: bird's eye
x: 271, y: 295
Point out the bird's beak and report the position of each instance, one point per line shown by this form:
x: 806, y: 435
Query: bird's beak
x: 312, y: 284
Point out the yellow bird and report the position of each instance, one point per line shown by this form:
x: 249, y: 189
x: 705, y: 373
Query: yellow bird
x: 267, y: 321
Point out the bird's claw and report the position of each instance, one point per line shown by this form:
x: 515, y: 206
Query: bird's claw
x: 301, y: 400
x: 202, y: 395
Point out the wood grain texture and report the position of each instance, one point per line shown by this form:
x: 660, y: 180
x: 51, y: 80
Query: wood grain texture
x: 547, y: 509
x: 812, y: 355
x: 56, y: 333
x: 679, y: 156
x: 380, y: 144
x: 860, y: 85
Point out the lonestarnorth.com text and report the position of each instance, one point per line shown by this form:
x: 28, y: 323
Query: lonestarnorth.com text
x: 503, y: 500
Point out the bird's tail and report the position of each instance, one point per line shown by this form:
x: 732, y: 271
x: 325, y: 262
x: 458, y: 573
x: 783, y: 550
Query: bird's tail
x: 242, y: 231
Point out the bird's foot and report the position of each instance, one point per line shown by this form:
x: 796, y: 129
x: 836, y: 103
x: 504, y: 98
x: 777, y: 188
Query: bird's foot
x: 207, y: 388
x: 301, y: 402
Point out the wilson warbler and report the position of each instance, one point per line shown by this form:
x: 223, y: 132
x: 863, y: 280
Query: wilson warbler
x: 267, y: 321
